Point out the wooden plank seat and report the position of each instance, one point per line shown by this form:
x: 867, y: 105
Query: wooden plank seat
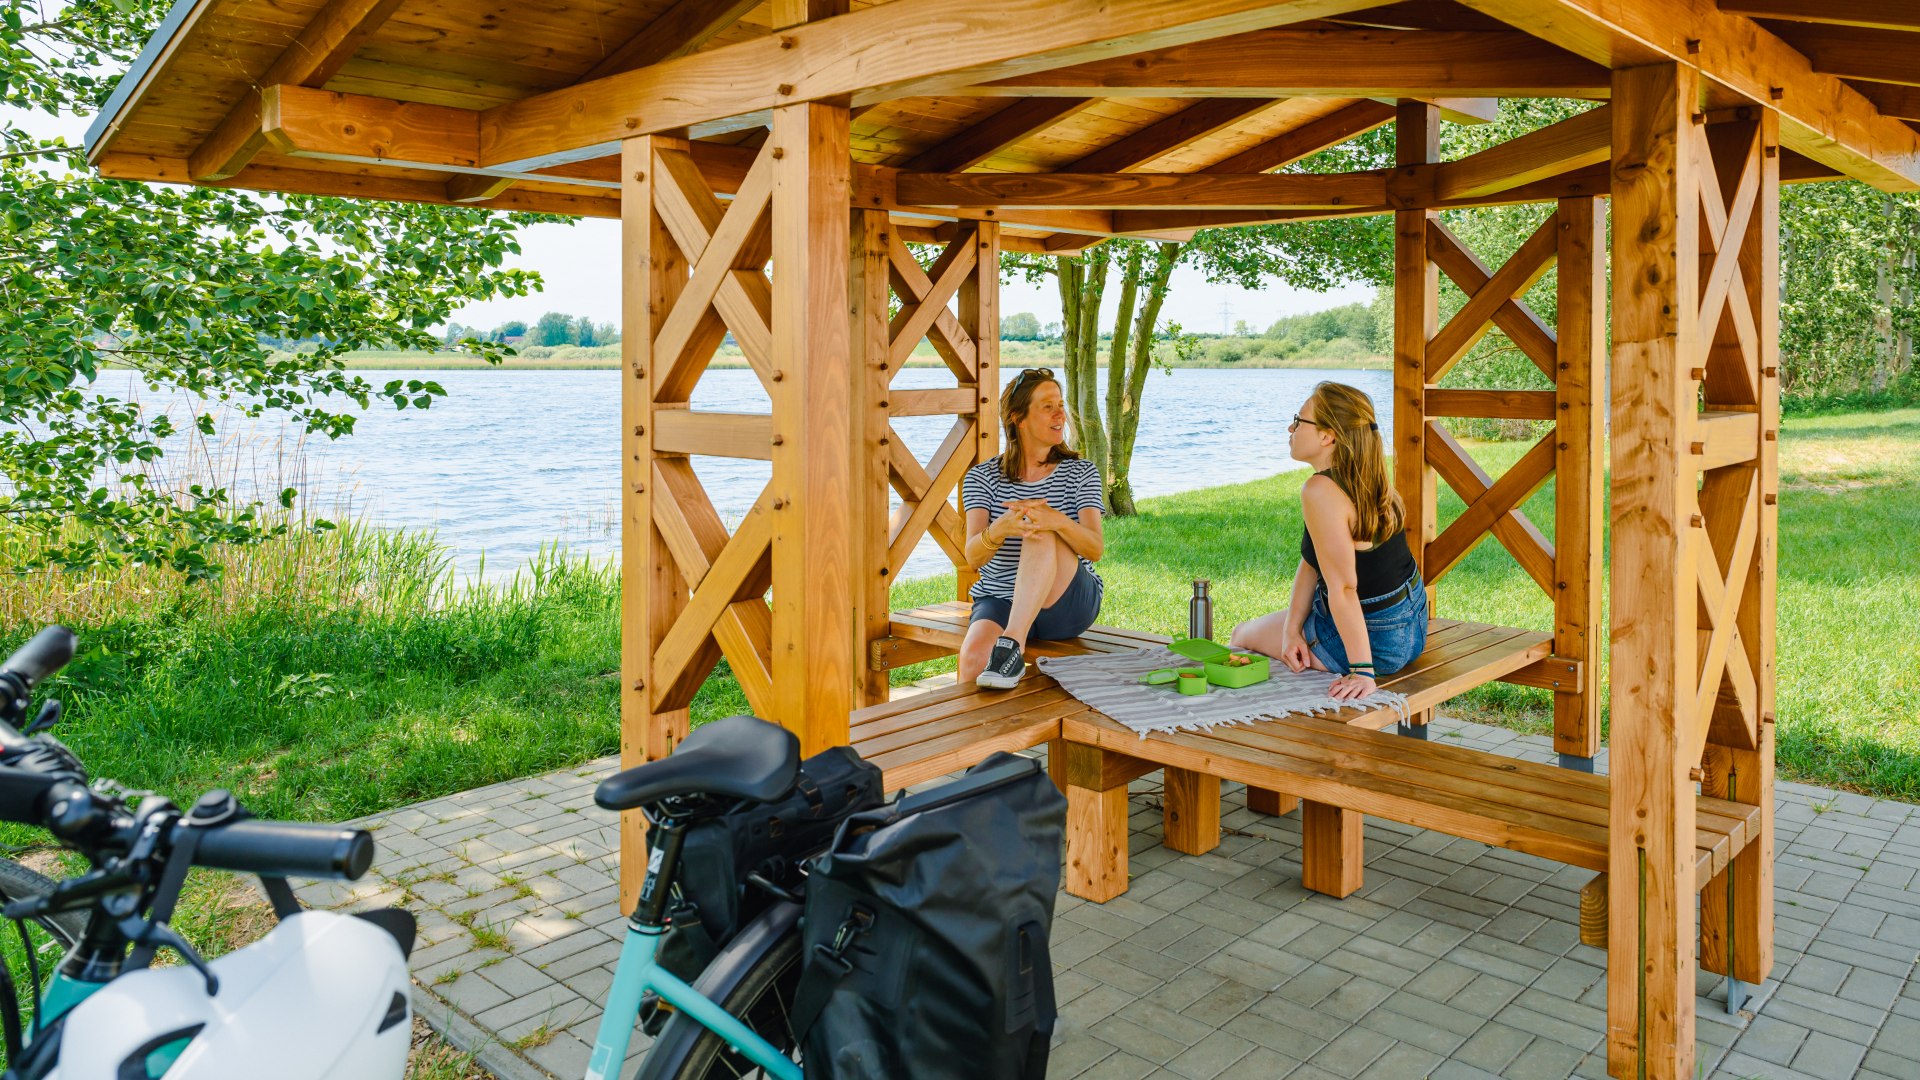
x: 927, y: 736
x: 1342, y: 772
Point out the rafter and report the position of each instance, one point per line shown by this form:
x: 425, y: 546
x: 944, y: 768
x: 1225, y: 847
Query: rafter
x: 1307, y: 139
x: 1156, y: 140
x: 677, y: 31
x: 1879, y: 14
x: 1142, y: 190
x: 1856, y: 53
x: 877, y: 53
x: 1820, y: 116
x: 1892, y: 99
x: 983, y: 140
x: 1327, y: 63
x: 328, y: 41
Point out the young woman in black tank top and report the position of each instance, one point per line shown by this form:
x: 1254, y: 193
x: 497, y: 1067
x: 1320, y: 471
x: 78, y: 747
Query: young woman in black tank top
x: 1358, y: 608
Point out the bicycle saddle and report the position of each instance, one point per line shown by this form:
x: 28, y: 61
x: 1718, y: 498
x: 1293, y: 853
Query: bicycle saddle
x: 742, y: 757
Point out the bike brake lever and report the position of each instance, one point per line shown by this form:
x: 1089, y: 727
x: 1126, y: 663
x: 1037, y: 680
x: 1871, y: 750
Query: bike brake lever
x: 161, y: 936
x: 48, y: 716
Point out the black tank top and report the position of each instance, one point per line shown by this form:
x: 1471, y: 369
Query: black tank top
x: 1380, y: 569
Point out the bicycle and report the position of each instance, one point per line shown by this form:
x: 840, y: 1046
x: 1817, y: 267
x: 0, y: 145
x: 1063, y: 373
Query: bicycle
x: 321, y: 995
x: 736, y: 1018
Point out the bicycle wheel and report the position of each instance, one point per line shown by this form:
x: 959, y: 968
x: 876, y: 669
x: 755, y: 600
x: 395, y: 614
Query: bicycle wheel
x: 19, y: 883
x: 753, y: 979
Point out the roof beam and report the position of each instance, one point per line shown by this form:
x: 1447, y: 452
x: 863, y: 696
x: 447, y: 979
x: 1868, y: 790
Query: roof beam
x: 1142, y: 190
x: 322, y: 48
x: 976, y: 144
x: 903, y: 48
x: 1163, y: 137
x: 677, y: 31
x: 1820, y: 116
x: 1573, y: 143
x: 1328, y: 63
x: 1308, y: 139
x: 1881, y: 14
x: 1898, y: 101
x: 1853, y: 53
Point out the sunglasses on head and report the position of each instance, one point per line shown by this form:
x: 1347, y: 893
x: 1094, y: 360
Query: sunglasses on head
x: 1043, y: 374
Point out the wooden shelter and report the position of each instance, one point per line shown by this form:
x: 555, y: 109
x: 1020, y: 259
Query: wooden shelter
x: 771, y: 160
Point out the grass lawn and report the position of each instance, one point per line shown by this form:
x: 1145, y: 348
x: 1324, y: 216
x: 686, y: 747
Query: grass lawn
x: 322, y: 685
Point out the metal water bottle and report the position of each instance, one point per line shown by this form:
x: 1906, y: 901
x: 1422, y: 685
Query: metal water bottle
x: 1200, y: 611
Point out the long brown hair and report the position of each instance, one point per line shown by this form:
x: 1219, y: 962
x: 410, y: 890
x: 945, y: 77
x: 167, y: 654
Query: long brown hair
x: 1015, y: 401
x: 1359, y: 460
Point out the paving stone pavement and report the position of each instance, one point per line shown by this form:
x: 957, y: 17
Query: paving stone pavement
x: 1454, y: 960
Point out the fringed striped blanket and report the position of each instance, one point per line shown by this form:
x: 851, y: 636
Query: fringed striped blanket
x: 1110, y: 682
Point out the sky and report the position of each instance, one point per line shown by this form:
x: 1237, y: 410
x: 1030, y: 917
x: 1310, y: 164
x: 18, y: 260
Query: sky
x: 580, y: 265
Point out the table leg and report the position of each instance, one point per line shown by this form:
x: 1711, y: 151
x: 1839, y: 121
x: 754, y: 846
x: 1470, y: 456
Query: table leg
x: 1096, y: 786
x: 1331, y: 851
x: 1270, y: 802
x: 1192, y: 811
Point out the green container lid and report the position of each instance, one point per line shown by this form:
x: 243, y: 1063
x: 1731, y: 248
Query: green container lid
x: 1199, y: 649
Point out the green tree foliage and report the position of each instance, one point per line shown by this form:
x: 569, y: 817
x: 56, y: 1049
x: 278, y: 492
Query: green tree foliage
x: 1849, y: 273
x: 1020, y: 326
x: 185, y: 287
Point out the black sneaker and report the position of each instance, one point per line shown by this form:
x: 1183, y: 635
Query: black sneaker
x: 1005, y: 667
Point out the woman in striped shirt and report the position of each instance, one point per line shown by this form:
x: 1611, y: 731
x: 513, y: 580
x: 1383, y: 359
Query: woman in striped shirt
x: 1033, y: 533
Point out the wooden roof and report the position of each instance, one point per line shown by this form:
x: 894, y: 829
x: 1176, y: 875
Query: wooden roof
x: 520, y: 105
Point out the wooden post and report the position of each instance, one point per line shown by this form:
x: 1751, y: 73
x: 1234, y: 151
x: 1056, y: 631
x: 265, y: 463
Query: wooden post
x: 653, y: 271
x: 1416, y: 308
x: 980, y: 317
x: 1095, y: 781
x: 1332, y: 848
x: 1736, y: 908
x: 814, y: 666
x: 1191, y: 806
x: 872, y: 374
x: 1580, y: 340
x: 1651, y: 888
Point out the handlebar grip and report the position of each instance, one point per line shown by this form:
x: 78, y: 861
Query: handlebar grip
x: 286, y: 849
x: 45, y: 653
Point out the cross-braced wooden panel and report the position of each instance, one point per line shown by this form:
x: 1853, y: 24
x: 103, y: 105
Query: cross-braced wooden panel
x: 1571, y: 237
x: 724, y: 248
x: 953, y: 304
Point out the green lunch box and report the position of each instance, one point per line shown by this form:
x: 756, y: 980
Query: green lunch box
x: 1199, y: 649
x: 1192, y: 682
x: 1166, y: 676
x: 1221, y: 674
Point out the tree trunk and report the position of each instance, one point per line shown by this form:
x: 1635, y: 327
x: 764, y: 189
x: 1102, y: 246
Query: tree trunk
x: 1083, y: 285
x: 1119, y: 497
x: 1883, y: 353
x: 1127, y: 381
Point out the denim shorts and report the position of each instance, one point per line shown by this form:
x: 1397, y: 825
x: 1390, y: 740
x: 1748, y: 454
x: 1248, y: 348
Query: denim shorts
x: 1396, y: 634
x: 1069, y: 616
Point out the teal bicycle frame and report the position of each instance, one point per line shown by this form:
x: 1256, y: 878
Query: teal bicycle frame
x: 638, y: 971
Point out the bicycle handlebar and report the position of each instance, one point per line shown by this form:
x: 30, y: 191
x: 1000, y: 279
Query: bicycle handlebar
x: 285, y: 849
x: 45, y: 653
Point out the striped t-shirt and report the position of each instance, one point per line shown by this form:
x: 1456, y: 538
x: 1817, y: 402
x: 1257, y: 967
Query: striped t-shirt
x: 1072, y: 486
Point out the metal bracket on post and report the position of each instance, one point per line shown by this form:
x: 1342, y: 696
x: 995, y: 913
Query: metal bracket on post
x: 1576, y: 762
x: 1411, y: 731
x: 1737, y: 994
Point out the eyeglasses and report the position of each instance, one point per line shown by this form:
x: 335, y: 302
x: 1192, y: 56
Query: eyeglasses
x: 1297, y: 421
x: 1043, y: 374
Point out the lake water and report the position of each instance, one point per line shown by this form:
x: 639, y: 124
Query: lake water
x: 511, y: 460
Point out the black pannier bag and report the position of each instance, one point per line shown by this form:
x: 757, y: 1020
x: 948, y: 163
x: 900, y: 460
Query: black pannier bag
x: 771, y: 839
x: 925, y: 933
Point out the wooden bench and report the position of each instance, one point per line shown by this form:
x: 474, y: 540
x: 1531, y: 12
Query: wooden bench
x: 927, y: 736
x: 1341, y: 772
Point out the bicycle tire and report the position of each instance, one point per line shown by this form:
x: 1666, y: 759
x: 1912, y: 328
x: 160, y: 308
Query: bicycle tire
x: 754, y: 979
x: 19, y: 883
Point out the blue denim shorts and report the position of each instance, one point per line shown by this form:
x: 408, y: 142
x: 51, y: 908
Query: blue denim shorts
x: 1396, y: 634
x: 1069, y: 616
